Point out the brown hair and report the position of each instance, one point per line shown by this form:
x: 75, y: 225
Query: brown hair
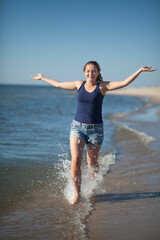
x: 99, y: 77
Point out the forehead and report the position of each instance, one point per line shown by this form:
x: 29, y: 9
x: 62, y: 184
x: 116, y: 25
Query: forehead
x: 91, y: 67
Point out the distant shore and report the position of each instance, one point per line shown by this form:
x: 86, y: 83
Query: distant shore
x: 153, y: 93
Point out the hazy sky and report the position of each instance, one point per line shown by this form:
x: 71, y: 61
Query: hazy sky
x: 57, y: 37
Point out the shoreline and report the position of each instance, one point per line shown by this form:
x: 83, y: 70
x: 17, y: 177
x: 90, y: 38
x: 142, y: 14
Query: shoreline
x: 130, y: 204
x: 153, y: 93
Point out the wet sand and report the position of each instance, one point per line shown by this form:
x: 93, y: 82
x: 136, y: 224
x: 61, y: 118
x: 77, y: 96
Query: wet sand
x: 130, y: 207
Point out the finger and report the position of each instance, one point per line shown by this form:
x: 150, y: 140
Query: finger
x: 152, y: 70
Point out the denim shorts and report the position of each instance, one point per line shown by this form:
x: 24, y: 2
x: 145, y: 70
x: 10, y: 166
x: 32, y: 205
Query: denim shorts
x: 91, y: 134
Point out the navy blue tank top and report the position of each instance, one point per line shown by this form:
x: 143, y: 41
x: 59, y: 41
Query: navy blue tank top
x: 89, y: 108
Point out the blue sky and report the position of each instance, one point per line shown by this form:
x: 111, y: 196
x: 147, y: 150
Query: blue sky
x: 57, y: 37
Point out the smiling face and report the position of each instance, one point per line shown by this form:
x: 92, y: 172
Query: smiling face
x: 91, y: 73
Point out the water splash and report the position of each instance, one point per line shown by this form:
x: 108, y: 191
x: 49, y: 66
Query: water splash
x: 88, y: 186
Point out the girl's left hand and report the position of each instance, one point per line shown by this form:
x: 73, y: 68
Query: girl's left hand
x: 147, y: 69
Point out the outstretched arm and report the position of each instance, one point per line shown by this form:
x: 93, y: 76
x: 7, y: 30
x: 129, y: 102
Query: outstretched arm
x: 120, y: 84
x: 64, y: 85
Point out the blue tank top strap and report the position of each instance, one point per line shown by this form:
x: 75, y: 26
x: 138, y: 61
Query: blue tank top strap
x: 99, y: 88
x: 81, y: 86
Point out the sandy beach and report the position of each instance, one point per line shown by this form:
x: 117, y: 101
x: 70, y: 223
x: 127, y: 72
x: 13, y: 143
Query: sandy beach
x: 130, y: 209
x: 153, y: 93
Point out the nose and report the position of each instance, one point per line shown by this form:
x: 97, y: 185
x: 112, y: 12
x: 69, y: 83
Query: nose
x: 91, y: 73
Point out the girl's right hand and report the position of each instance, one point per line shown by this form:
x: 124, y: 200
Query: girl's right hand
x: 37, y: 77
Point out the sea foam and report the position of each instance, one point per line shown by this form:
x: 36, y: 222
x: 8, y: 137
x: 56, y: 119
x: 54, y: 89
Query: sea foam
x: 143, y: 137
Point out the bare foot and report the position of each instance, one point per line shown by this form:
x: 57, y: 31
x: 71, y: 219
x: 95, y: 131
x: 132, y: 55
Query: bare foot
x: 75, y: 201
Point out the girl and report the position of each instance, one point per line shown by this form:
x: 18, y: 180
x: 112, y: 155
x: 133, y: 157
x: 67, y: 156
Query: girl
x: 87, y: 126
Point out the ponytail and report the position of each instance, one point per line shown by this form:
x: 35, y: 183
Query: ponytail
x: 99, y: 78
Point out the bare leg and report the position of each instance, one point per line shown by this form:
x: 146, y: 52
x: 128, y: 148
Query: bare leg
x: 92, y: 158
x: 76, y: 146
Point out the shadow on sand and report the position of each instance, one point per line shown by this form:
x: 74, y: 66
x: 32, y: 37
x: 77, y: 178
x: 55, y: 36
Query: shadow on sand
x: 117, y: 197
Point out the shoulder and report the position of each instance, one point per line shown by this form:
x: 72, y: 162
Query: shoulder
x: 79, y: 83
x: 103, y: 87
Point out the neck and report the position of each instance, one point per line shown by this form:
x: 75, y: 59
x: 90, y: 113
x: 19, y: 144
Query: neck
x: 91, y: 83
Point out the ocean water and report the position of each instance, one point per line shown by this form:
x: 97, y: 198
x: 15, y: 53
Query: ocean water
x: 35, y: 183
